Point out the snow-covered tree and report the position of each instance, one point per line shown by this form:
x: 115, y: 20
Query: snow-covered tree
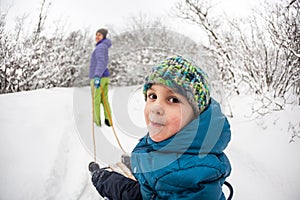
x: 199, y: 13
x: 143, y: 45
x: 36, y: 61
x: 283, y: 22
x: 260, y: 52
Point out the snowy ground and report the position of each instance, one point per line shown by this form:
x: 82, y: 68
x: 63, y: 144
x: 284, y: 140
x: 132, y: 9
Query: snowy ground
x: 46, y: 145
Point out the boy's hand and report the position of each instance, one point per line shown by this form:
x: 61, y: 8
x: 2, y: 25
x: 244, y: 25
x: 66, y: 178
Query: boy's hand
x: 93, y: 166
x: 97, y: 82
x: 98, y: 174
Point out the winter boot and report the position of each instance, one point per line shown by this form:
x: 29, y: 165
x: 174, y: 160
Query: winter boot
x: 107, y: 122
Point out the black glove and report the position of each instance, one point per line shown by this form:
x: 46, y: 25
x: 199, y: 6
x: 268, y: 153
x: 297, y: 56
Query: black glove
x: 98, y: 174
x: 93, y: 166
x: 99, y: 177
x: 113, y: 185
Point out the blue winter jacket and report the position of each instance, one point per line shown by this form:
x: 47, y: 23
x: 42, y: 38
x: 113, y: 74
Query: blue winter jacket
x: 189, y: 165
x: 99, y: 59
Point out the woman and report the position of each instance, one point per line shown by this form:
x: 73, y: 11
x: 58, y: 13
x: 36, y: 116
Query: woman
x: 99, y: 77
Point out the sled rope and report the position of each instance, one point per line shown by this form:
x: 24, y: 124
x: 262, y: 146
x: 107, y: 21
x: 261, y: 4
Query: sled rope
x: 110, y: 120
x: 93, y: 130
x: 230, y: 190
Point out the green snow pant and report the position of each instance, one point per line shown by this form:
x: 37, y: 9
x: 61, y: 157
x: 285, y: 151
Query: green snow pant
x: 101, y: 97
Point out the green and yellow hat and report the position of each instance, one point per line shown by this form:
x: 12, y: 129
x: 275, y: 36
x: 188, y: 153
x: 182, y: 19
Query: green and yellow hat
x: 185, y: 78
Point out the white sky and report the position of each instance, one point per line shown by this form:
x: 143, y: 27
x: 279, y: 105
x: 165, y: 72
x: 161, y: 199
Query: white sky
x: 93, y: 14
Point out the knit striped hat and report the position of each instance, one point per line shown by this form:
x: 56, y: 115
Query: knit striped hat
x: 185, y: 78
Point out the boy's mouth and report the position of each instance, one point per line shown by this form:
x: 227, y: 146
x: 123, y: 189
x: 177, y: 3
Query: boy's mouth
x: 155, y: 127
x: 157, y: 124
x: 157, y: 121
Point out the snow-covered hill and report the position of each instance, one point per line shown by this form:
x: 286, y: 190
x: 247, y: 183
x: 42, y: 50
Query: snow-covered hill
x: 46, y: 145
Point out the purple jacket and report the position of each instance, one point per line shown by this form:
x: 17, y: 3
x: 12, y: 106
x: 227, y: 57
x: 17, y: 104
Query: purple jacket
x: 99, y: 59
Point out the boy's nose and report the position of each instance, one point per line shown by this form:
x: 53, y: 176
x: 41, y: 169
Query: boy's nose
x: 157, y: 110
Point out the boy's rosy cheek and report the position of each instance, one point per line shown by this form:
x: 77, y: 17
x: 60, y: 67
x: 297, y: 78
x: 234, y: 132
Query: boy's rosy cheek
x: 176, y: 122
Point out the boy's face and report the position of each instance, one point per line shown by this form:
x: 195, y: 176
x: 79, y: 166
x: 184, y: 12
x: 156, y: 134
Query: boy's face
x: 166, y: 112
x: 99, y: 37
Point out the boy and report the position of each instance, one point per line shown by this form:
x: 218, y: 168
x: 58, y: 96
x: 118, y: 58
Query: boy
x: 182, y: 156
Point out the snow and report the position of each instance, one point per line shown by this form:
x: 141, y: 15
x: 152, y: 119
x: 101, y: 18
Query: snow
x: 46, y: 145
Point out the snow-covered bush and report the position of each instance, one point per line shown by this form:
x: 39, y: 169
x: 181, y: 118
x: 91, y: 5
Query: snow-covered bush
x: 33, y: 62
x: 137, y: 51
x: 258, y: 55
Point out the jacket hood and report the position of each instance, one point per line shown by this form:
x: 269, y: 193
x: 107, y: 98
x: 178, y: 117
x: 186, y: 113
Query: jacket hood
x: 105, y: 41
x: 209, y: 133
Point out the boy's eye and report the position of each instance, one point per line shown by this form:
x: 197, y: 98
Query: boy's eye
x: 174, y: 100
x: 152, y: 96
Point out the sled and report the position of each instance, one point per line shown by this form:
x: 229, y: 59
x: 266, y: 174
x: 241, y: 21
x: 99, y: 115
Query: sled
x: 123, y: 167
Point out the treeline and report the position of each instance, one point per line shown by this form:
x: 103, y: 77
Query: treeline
x: 258, y: 55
